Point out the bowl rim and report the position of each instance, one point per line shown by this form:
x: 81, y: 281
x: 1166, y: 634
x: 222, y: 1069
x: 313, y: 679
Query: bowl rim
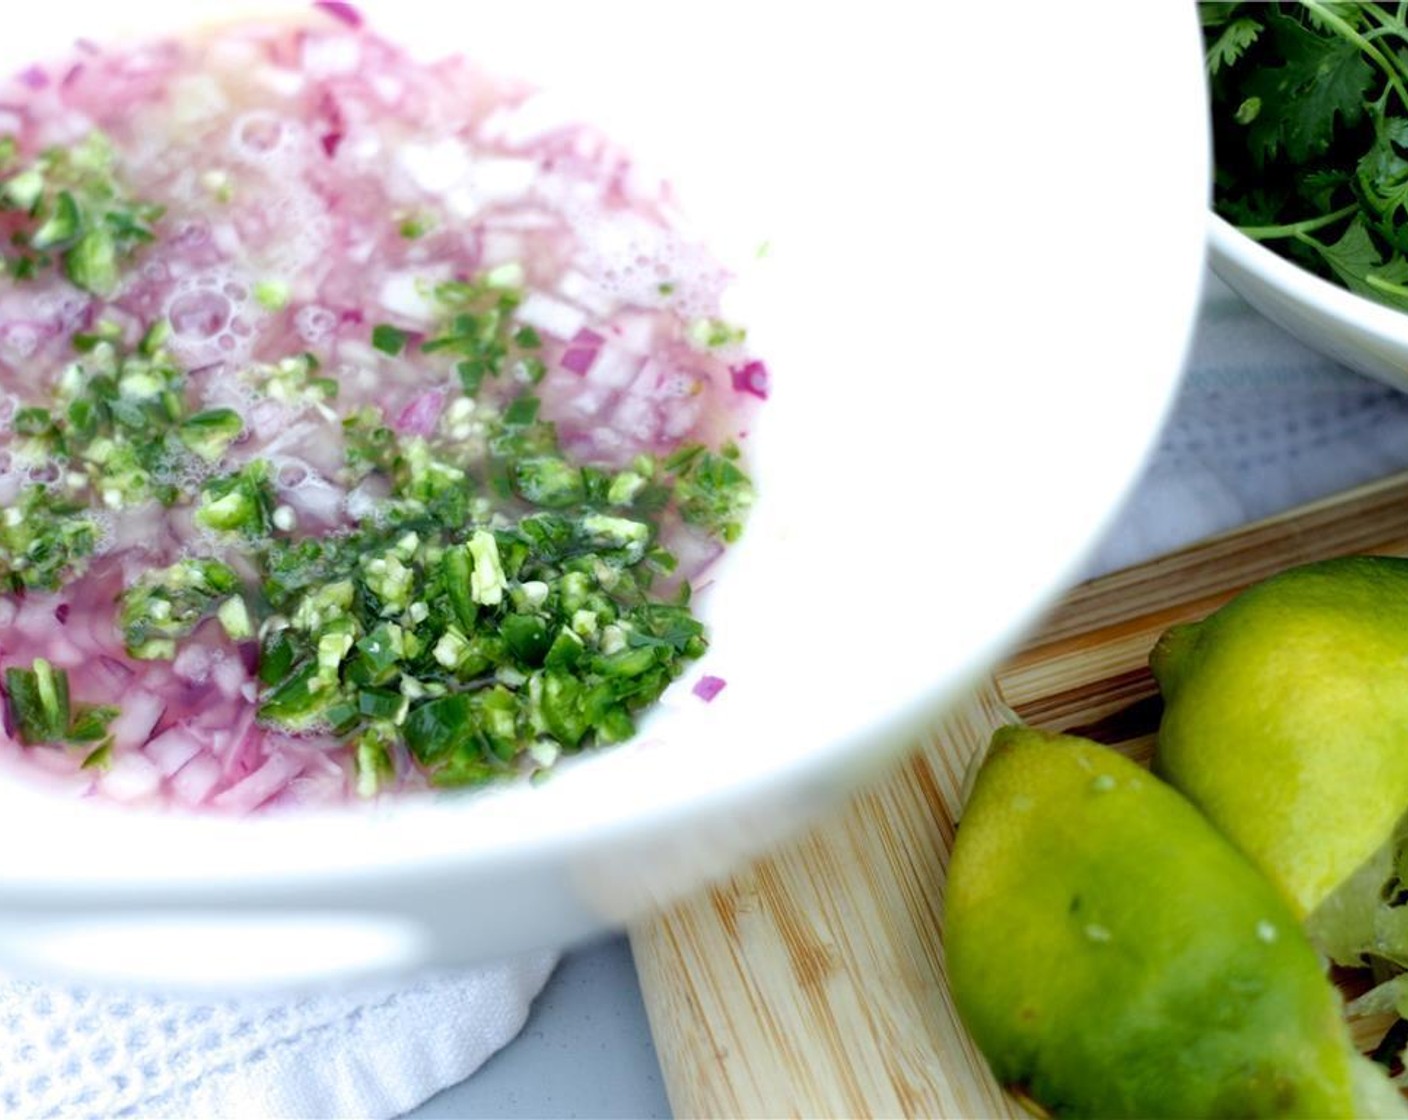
x: 1231, y: 249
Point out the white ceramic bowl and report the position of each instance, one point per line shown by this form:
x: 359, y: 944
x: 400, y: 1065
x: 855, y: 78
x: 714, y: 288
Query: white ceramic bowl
x: 1357, y: 332
x: 969, y: 365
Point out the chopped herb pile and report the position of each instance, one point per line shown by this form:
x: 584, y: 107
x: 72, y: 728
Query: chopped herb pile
x: 499, y: 603
x: 479, y: 333
x: 67, y: 208
x: 168, y: 604
x: 1310, y: 124
x: 118, y: 432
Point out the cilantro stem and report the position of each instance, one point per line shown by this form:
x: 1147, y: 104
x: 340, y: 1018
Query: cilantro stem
x: 1295, y: 229
x: 1332, y: 20
x: 1383, y: 285
x: 1390, y: 24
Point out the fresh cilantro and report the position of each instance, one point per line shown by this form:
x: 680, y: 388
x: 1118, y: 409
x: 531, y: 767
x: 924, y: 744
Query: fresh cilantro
x: 494, y: 607
x: 1232, y: 40
x: 209, y: 433
x: 118, y: 431
x: 467, y: 638
x: 712, y: 489
x: 38, y: 702
x: 1310, y: 125
x: 273, y: 295
x: 38, y: 707
x: 388, y: 339
x: 715, y: 333
x: 416, y: 225
x: 479, y: 333
x: 166, y: 604
x: 239, y: 502
x: 75, y: 211
x: 44, y: 537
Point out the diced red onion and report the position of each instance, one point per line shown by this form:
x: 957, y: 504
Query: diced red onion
x: 33, y: 77
x: 195, y: 781
x: 141, y: 710
x: 172, y: 749
x: 242, y: 753
x: 679, y: 416
x: 637, y: 417
x: 341, y: 10
x: 325, y: 787
x: 582, y: 351
x: 751, y: 378
x: 422, y: 414
x: 614, y: 367
x: 291, y: 473
x: 35, y: 618
x: 267, y: 418
x: 229, y: 675
x: 318, y: 500
x: 695, y: 552
x: 118, y: 673
x: 193, y: 662
x: 248, y: 794
x: 233, y: 740
x: 130, y: 777
x: 707, y: 687
x: 23, y: 337
x: 551, y: 316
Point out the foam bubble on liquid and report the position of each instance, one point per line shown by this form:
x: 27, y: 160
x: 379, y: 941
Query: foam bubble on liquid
x: 291, y: 230
x: 212, y: 316
x: 104, y: 531
x: 296, y: 235
x: 267, y: 140
x: 63, y: 307
x: 634, y: 260
x: 19, y: 341
x: 315, y: 324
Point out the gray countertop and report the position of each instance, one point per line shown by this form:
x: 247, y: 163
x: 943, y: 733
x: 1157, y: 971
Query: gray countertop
x: 585, y: 1051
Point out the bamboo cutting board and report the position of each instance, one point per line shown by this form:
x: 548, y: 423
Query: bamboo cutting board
x: 812, y: 983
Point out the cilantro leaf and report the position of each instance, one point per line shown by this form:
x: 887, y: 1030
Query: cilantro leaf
x: 1232, y: 43
x: 1353, y: 255
x: 1322, y: 82
x: 388, y: 339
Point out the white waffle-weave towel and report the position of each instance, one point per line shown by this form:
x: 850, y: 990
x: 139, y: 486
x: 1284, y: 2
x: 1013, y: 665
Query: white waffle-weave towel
x: 1260, y: 424
x: 373, y: 1052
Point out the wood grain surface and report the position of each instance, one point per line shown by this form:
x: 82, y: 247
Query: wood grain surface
x: 812, y: 982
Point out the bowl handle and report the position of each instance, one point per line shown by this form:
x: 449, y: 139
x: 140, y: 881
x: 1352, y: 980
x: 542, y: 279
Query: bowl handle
x: 213, y: 950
